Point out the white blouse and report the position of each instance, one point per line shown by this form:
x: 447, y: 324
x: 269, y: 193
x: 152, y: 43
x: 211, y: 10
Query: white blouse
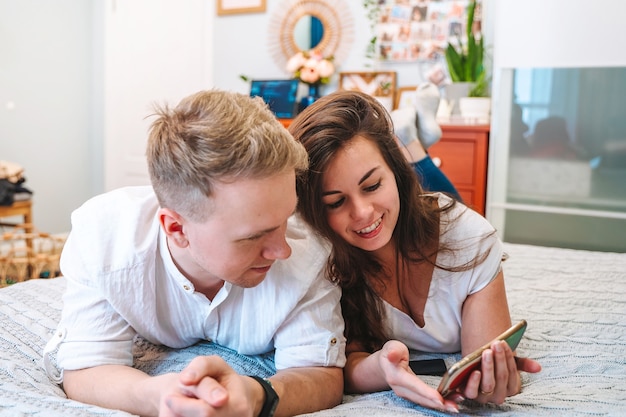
x: 448, y: 290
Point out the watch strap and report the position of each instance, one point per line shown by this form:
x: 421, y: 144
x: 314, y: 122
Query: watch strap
x: 271, y: 398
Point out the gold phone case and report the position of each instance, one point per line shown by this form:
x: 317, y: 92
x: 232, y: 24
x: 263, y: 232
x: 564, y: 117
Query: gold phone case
x: 460, y: 371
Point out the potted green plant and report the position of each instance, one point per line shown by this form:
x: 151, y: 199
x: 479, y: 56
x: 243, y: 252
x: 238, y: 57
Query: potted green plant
x: 466, y: 65
x: 465, y: 62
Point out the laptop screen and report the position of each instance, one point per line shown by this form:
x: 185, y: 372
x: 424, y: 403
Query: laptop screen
x: 280, y: 95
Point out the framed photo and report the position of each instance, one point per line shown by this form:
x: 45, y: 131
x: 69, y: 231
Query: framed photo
x: 405, y: 96
x: 226, y: 7
x: 379, y: 84
x: 374, y: 83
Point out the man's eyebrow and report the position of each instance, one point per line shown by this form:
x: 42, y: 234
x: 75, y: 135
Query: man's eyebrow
x: 258, y: 234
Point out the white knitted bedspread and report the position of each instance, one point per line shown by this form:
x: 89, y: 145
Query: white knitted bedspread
x: 574, y: 302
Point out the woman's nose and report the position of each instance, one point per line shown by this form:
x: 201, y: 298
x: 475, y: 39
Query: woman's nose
x: 360, y: 208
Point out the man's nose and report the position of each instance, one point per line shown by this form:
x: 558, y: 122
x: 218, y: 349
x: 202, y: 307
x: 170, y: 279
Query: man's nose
x: 277, y: 247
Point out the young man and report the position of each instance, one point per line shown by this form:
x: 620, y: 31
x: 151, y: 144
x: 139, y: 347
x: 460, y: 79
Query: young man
x: 210, y: 252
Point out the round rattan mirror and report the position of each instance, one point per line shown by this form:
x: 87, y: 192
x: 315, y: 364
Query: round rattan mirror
x: 336, y: 33
x: 308, y: 32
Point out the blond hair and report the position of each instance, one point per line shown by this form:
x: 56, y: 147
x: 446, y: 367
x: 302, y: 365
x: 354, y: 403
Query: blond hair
x: 214, y: 136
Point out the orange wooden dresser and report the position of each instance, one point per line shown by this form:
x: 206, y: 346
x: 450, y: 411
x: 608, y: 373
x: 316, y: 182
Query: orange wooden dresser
x: 462, y: 155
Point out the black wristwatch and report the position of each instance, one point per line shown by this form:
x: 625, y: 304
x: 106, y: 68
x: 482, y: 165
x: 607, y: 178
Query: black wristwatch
x: 271, y: 398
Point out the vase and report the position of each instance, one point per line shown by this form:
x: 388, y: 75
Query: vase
x: 475, y: 108
x: 313, y: 94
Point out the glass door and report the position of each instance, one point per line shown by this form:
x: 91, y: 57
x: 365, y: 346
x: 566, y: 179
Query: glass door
x: 558, y: 168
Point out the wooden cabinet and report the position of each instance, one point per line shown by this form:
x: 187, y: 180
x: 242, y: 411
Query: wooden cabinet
x: 23, y: 208
x: 285, y: 122
x: 462, y: 155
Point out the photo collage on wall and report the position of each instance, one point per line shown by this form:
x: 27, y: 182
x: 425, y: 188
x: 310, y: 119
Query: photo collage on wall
x: 412, y: 30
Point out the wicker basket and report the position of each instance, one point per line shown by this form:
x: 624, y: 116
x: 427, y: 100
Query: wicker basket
x: 26, y: 254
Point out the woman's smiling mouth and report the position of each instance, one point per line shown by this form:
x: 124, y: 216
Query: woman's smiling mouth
x: 370, y: 228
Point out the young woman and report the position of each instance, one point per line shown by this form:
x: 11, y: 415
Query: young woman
x: 418, y: 270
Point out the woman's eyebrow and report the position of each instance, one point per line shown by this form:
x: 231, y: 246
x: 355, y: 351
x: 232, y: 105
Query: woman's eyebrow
x: 367, y: 175
x: 363, y: 178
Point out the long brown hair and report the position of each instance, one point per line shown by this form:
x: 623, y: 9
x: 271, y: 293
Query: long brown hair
x: 324, y: 128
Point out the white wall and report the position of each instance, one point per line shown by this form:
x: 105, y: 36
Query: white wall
x: 242, y: 47
x: 53, y: 66
x: 560, y: 33
x: 155, y: 52
x: 45, y: 103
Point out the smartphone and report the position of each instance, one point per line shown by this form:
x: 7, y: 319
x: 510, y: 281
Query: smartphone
x: 460, y: 371
x: 436, y: 367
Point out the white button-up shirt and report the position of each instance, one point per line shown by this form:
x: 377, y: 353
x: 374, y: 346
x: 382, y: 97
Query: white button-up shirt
x: 122, y: 282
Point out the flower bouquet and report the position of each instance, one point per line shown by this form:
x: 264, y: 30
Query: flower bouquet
x: 311, y: 67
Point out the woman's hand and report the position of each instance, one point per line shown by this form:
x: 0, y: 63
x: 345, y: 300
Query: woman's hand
x: 393, y: 360
x: 498, y: 376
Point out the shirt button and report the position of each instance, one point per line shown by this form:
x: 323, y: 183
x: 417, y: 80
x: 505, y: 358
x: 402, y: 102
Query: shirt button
x: 186, y: 287
x: 333, y: 341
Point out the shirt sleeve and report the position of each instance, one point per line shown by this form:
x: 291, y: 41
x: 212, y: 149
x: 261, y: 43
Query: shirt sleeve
x: 476, y: 244
x: 312, y: 333
x: 473, y: 243
x: 91, y: 332
x: 486, y: 272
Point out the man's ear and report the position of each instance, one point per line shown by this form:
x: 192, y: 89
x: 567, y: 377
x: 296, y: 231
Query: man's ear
x: 172, y: 224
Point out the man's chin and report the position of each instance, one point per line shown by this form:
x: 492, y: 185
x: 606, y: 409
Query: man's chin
x: 254, y: 277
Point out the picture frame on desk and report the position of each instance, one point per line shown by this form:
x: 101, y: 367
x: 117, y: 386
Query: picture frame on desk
x: 374, y: 83
x: 379, y: 84
x: 405, y: 97
x: 228, y: 7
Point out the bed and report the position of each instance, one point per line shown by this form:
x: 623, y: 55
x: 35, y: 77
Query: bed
x: 574, y: 302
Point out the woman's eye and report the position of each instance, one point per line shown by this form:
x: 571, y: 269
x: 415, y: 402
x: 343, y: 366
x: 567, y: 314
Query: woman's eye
x: 335, y: 204
x: 373, y: 187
